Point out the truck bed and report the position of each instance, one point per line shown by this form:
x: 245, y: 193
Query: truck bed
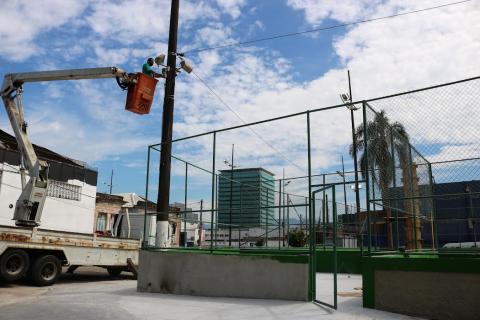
x: 78, y: 248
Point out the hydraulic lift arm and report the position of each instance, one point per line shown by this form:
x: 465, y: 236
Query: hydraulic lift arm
x: 29, y: 206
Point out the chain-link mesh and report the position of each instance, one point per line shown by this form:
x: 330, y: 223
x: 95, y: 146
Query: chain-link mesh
x: 422, y: 150
x: 418, y: 166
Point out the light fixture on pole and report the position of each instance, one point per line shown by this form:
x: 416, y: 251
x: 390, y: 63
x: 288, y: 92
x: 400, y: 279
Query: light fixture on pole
x: 160, y: 60
x: 345, y: 97
x: 186, y: 66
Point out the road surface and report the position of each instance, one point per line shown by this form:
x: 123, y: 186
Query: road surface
x: 92, y: 294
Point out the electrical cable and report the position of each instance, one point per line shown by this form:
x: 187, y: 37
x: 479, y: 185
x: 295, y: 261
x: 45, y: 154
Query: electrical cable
x: 241, y: 119
x: 336, y: 26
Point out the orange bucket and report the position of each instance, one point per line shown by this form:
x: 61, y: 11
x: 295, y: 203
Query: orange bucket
x: 140, y: 96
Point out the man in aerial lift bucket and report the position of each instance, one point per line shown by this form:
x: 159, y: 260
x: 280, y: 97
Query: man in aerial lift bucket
x: 147, y: 69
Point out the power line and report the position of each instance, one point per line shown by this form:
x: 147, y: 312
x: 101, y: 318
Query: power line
x: 241, y: 119
x: 336, y: 26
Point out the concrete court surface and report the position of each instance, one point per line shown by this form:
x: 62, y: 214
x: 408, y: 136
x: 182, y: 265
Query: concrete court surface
x: 92, y: 294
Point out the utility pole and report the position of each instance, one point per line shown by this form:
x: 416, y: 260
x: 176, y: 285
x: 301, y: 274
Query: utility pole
x: 109, y: 185
x: 167, y: 128
x: 111, y: 182
x: 355, y: 163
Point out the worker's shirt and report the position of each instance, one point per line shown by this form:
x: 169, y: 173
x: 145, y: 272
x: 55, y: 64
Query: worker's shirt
x: 147, y: 69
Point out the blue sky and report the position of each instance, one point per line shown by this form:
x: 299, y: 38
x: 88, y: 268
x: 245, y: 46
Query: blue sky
x: 85, y: 119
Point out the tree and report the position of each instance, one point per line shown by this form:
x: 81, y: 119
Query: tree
x: 260, y: 242
x: 297, y: 238
x: 382, y: 137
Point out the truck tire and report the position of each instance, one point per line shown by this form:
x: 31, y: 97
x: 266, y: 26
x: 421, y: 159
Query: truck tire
x: 14, y: 264
x: 45, y: 271
x: 114, y: 271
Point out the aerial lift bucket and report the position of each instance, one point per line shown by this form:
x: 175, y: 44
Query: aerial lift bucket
x: 140, y: 95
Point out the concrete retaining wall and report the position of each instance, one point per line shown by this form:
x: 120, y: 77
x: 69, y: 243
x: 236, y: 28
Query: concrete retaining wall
x: 434, y: 295
x: 243, y: 276
x: 429, y: 286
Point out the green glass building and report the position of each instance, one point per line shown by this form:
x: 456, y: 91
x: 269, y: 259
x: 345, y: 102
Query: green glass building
x: 244, y: 197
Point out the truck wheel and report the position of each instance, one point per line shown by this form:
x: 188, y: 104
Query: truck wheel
x: 45, y: 271
x: 14, y: 264
x: 114, y: 271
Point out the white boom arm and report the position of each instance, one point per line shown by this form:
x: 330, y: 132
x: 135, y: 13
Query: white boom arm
x: 28, y: 209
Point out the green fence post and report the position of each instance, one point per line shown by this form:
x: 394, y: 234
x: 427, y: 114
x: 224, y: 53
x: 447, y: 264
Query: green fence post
x: 217, y: 182
x: 310, y: 214
x: 375, y: 218
x: 367, y: 178
x: 185, y: 209
x: 266, y: 219
x: 241, y: 210
x: 334, y: 218
x: 279, y: 211
x: 324, y: 213
x: 326, y: 223
x: 412, y: 195
x: 288, y: 220
x: 434, y: 212
x: 213, y: 191
x: 394, y: 178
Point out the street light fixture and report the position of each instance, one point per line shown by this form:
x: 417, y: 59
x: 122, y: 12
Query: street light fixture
x: 184, y: 64
x: 345, y: 97
x: 160, y: 60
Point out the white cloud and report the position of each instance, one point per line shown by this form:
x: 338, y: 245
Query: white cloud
x: 232, y: 7
x: 131, y: 21
x: 213, y: 34
x: 128, y: 22
x: 345, y: 11
x: 112, y: 56
x: 257, y: 25
x: 208, y: 60
x: 22, y: 21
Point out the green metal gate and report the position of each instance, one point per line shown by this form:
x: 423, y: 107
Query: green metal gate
x: 322, y: 228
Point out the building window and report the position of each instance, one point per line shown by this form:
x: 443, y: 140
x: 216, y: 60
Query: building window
x: 63, y: 190
x: 101, y: 221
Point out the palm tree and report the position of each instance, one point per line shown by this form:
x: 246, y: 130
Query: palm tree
x: 382, y: 137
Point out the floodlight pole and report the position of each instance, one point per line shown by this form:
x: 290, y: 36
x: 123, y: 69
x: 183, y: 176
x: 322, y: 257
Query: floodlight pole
x: 355, y: 162
x: 167, y: 128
